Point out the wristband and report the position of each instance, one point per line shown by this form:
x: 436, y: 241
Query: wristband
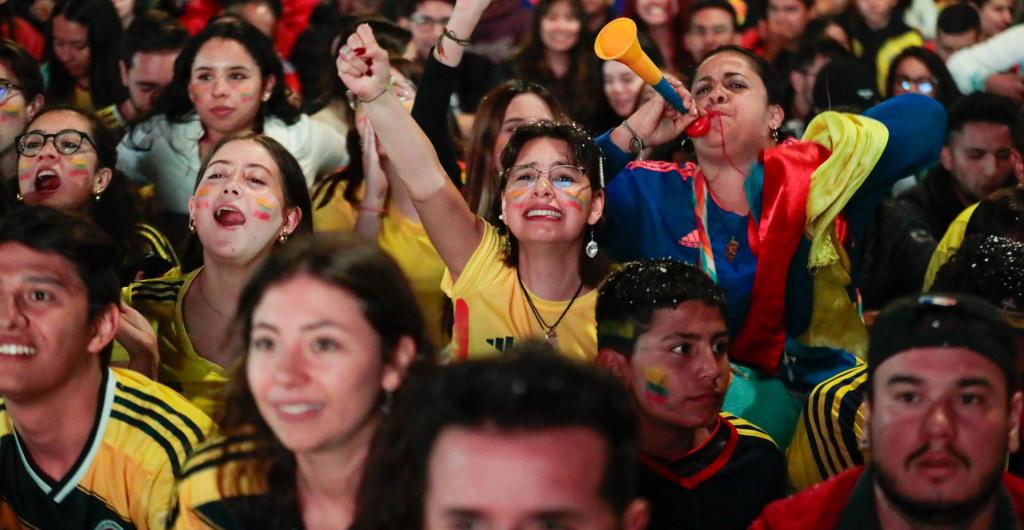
x: 448, y: 33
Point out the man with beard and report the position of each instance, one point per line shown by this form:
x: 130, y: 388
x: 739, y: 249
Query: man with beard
x: 943, y: 413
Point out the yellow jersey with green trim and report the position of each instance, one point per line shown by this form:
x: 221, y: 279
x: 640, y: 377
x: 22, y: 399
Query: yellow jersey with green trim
x: 825, y: 441
x: 124, y: 477
x: 406, y: 241
x: 492, y: 311
x: 160, y: 300
x: 218, y: 491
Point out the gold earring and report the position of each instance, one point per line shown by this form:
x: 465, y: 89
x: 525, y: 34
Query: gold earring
x: 18, y: 197
x: 99, y: 196
x: 191, y: 225
x: 283, y: 237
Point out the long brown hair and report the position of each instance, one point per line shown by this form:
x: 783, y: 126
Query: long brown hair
x: 362, y: 269
x: 481, y: 174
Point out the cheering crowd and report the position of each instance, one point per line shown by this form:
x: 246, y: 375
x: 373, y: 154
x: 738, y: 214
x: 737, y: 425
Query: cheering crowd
x: 431, y: 264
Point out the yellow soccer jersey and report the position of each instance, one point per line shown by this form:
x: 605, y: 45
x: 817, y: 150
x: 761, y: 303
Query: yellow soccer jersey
x: 825, y: 441
x: 405, y: 241
x: 181, y: 368
x: 124, y: 477
x: 212, y: 493
x: 948, y: 245
x: 491, y: 310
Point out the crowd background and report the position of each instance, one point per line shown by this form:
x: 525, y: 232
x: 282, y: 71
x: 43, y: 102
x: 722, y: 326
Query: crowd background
x: 493, y: 173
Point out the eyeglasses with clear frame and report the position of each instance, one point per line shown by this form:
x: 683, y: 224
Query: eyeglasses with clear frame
x: 66, y: 142
x: 564, y: 177
x: 924, y: 85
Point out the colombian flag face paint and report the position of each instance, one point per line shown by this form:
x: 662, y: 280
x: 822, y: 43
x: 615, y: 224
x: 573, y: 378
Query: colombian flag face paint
x: 655, y: 391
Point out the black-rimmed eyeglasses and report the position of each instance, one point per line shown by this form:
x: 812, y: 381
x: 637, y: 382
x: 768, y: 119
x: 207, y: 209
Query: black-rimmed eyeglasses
x: 66, y: 142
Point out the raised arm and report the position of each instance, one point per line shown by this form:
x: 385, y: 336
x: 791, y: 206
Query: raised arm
x: 452, y: 227
x: 430, y: 110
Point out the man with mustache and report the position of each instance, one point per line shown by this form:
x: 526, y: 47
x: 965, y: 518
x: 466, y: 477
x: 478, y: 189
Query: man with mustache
x: 661, y: 330
x: 943, y: 412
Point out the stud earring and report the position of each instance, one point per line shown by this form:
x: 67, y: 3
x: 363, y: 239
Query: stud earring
x: 191, y: 225
x: 591, y: 248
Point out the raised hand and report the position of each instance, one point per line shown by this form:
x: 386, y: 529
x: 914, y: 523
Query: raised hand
x: 363, y: 65
x: 656, y: 122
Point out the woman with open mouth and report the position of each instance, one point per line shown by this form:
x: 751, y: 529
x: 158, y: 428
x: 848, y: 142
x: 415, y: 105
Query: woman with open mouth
x: 775, y: 223
x: 532, y: 277
x: 66, y: 160
x: 227, y: 79
x: 249, y: 196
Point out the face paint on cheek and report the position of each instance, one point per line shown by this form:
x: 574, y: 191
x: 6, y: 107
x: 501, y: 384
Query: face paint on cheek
x: 26, y: 173
x: 11, y: 109
x: 79, y: 168
x: 574, y: 202
x: 248, y: 97
x: 654, y: 391
x: 263, y: 209
x: 516, y: 198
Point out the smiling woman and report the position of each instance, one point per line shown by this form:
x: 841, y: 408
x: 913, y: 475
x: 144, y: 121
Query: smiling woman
x: 250, y: 195
x: 227, y: 79
x: 528, y: 277
x: 327, y: 328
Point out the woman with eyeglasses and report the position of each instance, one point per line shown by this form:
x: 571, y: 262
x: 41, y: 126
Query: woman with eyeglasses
x: 536, y: 275
x: 917, y: 70
x: 368, y: 198
x: 249, y: 197
x: 66, y: 160
x: 227, y: 79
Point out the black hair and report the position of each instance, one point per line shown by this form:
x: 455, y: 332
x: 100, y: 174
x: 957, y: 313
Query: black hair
x: 1000, y: 214
x: 530, y: 390
x: 24, y: 67
x: 958, y: 18
x: 723, y: 5
x: 152, y: 31
x: 946, y: 92
x: 981, y: 107
x: 627, y: 300
x: 584, y: 153
x: 116, y: 210
x: 340, y: 261
x: 104, y: 28
x: 274, y: 5
x: 174, y: 102
x: 988, y: 266
x: 769, y: 77
x: 95, y: 255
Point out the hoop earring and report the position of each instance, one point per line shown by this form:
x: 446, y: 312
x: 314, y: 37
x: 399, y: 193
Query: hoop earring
x: 591, y: 248
x: 191, y: 225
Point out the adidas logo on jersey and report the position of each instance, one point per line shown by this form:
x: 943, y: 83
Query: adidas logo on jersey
x: 691, y: 240
x: 502, y: 344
